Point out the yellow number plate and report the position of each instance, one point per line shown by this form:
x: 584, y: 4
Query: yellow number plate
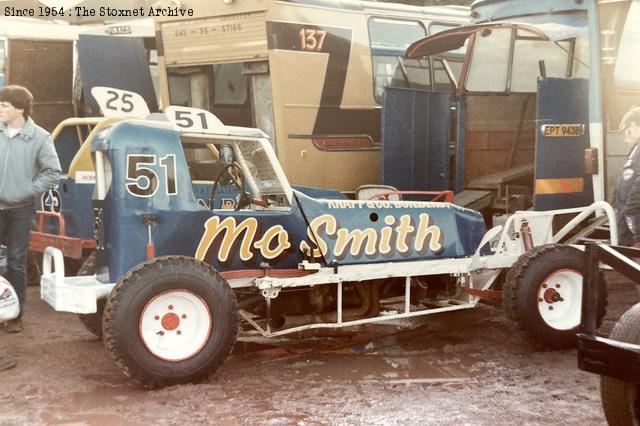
x: 563, y: 130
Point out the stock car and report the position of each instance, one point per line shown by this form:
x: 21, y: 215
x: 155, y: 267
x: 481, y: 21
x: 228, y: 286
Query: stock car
x: 176, y: 271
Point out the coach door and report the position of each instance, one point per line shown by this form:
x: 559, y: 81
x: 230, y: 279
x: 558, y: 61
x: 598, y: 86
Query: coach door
x: 562, y: 137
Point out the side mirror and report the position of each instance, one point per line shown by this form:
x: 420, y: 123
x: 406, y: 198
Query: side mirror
x: 226, y: 154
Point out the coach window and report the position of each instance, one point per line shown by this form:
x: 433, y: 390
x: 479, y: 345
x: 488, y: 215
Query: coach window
x: 454, y: 59
x: 389, y: 38
x: 489, y: 65
x: 528, y: 51
x: 626, y: 75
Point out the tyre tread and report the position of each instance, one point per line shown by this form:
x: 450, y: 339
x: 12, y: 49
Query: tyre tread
x: 110, y: 335
x: 512, y: 290
x: 618, y: 396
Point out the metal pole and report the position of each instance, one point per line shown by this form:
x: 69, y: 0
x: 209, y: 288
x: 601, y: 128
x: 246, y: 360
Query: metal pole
x: 407, y: 295
x: 339, y: 302
x: 590, y: 290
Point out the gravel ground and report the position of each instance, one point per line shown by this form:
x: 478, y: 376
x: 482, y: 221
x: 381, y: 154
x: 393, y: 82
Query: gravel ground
x: 456, y: 368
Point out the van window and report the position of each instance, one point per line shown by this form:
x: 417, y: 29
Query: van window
x: 626, y: 75
x: 389, y: 38
x: 230, y: 85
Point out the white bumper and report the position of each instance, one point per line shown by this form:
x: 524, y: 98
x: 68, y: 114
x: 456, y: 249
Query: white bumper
x: 69, y: 294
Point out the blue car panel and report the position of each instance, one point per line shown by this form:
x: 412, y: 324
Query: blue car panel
x: 152, y: 199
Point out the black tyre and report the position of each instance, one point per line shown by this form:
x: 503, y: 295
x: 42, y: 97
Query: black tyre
x: 34, y: 260
x: 621, y: 400
x: 543, y: 295
x: 92, y: 322
x: 171, y: 320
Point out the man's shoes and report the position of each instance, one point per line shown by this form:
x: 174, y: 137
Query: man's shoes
x: 14, y: 326
x: 7, y: 363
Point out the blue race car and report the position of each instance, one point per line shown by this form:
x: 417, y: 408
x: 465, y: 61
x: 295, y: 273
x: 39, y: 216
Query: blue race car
x: 176, y: 269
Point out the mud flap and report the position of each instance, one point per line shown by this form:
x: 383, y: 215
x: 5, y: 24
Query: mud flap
x: 561, y: 139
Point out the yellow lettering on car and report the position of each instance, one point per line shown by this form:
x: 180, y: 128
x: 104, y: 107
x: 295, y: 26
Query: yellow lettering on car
x: 281, y: 238
x: 356, y: 238
x: 427, y: 229
x: 214, y: 226
x: 272, y: 244
x: 369, y: 241
x: 313, y: 232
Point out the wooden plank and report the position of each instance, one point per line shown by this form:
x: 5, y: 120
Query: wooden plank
x: 494, y: 180
x: 476, y: 200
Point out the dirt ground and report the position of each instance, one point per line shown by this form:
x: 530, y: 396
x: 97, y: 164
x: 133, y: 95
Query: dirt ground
x: 457, y: 368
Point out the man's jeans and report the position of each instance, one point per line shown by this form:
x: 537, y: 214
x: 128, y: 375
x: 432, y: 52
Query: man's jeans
x: 15, y: 226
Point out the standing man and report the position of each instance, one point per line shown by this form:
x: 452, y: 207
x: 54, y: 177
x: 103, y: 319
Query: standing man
x: 29, y: 166
x: 628, y: 196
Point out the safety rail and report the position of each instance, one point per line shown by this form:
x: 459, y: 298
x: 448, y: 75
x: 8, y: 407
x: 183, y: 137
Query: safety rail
x: 43, y: 214
x: 71, y: 247
x: 596, y: 354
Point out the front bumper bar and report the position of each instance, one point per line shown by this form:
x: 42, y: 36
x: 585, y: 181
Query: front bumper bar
x: 69, y: 294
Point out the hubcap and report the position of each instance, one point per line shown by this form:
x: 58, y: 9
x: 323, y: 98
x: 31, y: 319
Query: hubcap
x: 175, y: 325
x: 560, y: 299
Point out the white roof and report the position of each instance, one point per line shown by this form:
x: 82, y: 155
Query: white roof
x: 131, y: 28
x: 36, y: 29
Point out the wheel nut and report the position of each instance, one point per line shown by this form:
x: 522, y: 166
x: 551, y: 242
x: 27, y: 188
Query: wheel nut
x: 170, y: 307
x: 183, y: 316
x: 551, y: 308
x: 161, y: 333
x: 557, y: 285
x: 540, y: 299
x: 156, y: 318
x: 178, y: 332
x: 544, y: 286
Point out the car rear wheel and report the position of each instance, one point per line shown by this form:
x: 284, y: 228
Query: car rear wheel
x: 543, y: 295
x: 169, y: 321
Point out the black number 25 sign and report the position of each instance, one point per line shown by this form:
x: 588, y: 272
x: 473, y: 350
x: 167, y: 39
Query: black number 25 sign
x: 120, y: 103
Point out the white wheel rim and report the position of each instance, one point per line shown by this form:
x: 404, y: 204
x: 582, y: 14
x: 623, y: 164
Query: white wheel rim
x: 560, y: 299
x: 175, y: 325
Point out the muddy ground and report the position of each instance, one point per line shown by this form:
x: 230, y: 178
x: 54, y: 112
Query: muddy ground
x: 457, y: 368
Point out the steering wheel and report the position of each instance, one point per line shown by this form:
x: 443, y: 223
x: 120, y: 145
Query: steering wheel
x: 245, y: 198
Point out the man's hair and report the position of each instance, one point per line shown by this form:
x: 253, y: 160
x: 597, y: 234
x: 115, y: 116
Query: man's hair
x: 19, y: 97
x: 631, y: 116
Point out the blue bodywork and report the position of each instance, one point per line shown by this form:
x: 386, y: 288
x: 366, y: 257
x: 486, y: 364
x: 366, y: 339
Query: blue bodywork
x: 566, y: 159
x: 329, y: 230
x: 415, y: 144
